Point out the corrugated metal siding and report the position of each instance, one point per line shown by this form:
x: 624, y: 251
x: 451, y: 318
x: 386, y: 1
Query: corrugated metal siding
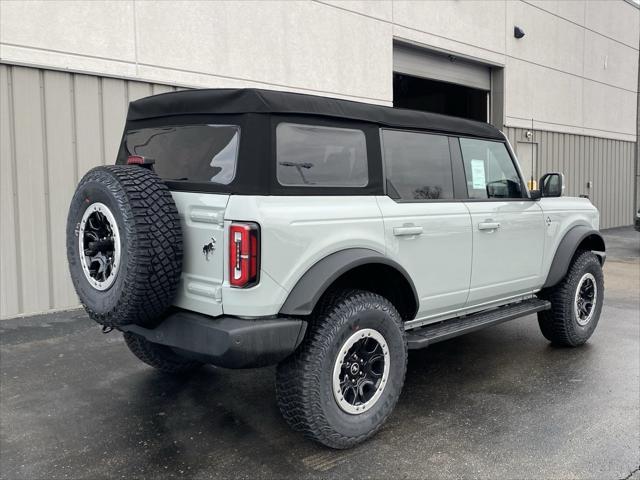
x: 54, y: 127
x: 609, y: 164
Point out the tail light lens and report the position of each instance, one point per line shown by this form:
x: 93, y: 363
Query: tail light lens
x: 244, y: 254
x: 135, y: 160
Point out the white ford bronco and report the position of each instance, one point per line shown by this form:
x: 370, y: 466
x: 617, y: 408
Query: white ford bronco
x: 245, y: 228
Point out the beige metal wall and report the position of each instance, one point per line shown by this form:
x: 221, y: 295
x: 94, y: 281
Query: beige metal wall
x: 608, y: 164
x: 54, y: 127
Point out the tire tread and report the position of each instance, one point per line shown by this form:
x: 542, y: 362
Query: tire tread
x: 154, y: 244
x: 557, y: 324
x: 298, y: 378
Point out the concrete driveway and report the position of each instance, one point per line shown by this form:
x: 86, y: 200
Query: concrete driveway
x: 498, y: 403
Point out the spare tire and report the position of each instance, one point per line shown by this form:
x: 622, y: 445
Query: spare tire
x: 124, y: 245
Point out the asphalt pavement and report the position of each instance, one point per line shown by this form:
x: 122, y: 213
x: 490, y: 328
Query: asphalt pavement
x: 500, y: 403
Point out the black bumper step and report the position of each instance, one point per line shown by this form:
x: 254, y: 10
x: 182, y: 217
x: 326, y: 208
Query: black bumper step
x: 436, y: 332
x: 227, y: 341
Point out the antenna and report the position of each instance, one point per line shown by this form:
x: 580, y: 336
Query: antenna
x: 532, y: 154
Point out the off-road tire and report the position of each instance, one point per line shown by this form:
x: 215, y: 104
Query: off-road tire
x: 559, y: 325
x: 304, y: 380
x: 159, y: 356
x: 150, y: 242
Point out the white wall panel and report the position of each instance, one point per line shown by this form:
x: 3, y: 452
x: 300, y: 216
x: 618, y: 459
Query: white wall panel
x: 307, y: 45
x: 549, y: 40
x: 610, y: 62
x: 571, y: 10
x: 382, y: 9
x: 543, y: 94
x: 96, y: 28
x: 608, y: 108
x: 617, y: 20
x: 480, y: 24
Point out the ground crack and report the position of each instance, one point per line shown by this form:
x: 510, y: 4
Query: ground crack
x: 631, y: 474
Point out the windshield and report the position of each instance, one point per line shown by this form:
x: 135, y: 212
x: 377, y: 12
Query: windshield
x: 193, y: 153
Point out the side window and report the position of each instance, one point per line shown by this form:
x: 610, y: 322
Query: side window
x: 489, y: 170
x: 310, y: 155
x: 417, y: 165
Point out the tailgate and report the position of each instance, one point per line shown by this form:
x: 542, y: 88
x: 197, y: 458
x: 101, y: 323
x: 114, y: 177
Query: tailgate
x: 202, y: 222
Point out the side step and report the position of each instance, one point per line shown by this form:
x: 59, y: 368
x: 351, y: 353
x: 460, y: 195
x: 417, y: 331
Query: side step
x: 436, y: 332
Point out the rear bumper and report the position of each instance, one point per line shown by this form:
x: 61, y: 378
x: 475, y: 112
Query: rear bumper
x: 226, y: 341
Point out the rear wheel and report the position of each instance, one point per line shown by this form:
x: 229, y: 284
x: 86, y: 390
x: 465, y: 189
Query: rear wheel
x: 576, y: 303
x: 159, y: 356
x: 346, y: 377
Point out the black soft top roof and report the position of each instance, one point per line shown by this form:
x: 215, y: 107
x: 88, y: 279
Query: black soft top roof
x: 251, y: 100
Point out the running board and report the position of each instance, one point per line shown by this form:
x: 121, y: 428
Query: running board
x: 436, y: 332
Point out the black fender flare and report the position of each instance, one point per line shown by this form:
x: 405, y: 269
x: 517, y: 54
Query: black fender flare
x: 567, y: 248
x: 305, y: 295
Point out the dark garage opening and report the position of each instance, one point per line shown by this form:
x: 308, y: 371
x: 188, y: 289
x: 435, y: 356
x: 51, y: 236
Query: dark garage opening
x: 439, y: 97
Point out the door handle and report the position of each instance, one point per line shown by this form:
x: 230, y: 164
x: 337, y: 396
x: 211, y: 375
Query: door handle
x: 407, y: 230
x: 488, y: 225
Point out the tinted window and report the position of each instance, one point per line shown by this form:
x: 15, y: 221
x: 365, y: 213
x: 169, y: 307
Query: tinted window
x: 418, y: 165
x: 489, y: 170
x: 195, y: 153
x: 309, y: 155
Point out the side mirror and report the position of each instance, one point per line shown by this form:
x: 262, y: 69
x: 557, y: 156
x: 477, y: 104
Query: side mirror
x: 551, y: 185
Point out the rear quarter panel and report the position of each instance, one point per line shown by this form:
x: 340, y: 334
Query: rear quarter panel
x: 297, y: 232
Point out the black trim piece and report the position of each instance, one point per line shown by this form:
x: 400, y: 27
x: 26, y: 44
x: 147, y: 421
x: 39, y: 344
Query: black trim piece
x: 514, y: 160
x: 305, y: 295
x: 523, y: 199
x: 566, y: 250
x: 460, y: 190
x: 446, y: 329
x: 227, y: 341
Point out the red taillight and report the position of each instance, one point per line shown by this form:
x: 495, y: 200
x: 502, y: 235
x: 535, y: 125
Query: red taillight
x: 135, y: 160
x: 244, y: 254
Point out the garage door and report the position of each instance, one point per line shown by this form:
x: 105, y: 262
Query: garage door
x: 418, y: 62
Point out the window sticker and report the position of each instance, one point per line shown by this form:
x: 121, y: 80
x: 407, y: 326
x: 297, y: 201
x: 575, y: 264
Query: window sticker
x: 477, y: 174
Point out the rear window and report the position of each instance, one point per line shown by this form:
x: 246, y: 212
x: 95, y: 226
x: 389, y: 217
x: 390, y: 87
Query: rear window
x: 310, y: 155
x: 194, y: 153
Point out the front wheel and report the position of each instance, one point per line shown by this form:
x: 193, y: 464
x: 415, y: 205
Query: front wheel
x: 346, y: 377
x: 576, y: 303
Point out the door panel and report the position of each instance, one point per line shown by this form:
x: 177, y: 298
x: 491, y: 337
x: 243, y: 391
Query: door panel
x: 508, y: 247
x: 432, y: 241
